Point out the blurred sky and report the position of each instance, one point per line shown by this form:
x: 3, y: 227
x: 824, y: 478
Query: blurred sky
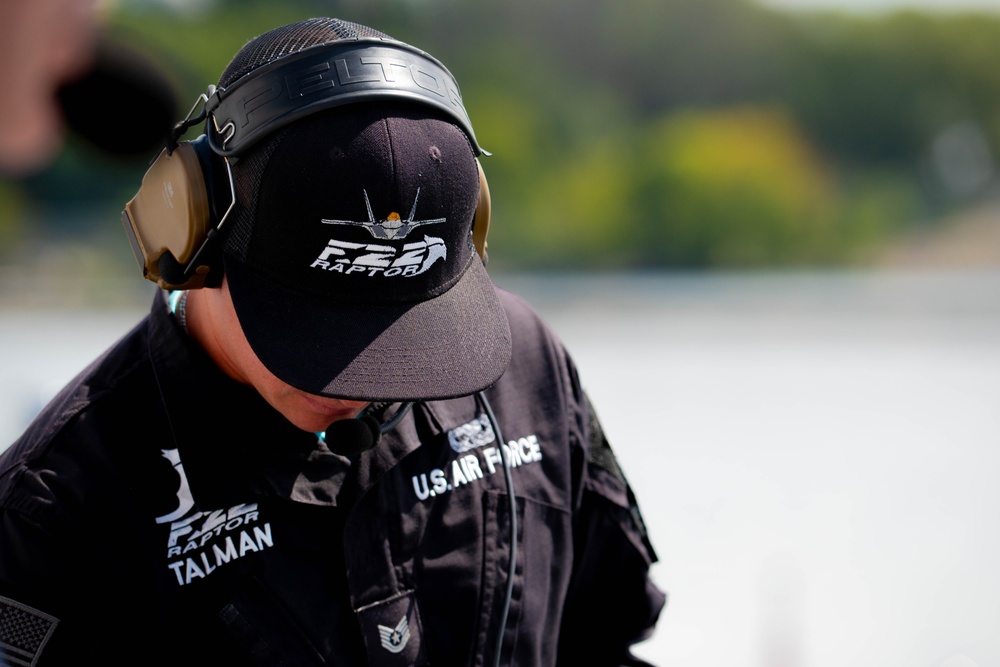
x: 888, y: 5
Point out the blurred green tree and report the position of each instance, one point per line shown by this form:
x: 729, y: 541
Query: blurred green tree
x: 654, y: 133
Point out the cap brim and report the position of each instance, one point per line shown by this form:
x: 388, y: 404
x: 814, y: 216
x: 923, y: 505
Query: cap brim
x: 452, y: 345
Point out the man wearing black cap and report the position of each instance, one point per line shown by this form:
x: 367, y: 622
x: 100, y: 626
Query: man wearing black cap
x: 332, y: 441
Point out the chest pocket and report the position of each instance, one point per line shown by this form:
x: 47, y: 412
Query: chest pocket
x: 451, y: 556
x: 436, y: 526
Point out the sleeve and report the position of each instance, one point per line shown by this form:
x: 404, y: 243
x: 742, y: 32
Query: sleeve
x: 27, y: 602
x: 62, y: 601
x: 611, y: 594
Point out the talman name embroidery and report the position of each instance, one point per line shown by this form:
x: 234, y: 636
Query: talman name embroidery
x: 203, y: 541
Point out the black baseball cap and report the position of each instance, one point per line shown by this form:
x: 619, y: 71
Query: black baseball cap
x: 350, y: 261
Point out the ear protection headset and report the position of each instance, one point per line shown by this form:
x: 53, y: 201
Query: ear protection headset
x: 175, y: 221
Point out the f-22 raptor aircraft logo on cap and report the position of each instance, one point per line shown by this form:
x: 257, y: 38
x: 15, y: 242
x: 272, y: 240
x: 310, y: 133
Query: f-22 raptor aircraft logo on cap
x: 393, y: 227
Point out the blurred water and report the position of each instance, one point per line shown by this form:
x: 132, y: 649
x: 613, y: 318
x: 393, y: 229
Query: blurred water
x: 816, y: 455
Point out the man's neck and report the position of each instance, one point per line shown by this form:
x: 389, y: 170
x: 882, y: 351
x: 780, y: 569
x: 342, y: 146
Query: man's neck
x: 207, y: 325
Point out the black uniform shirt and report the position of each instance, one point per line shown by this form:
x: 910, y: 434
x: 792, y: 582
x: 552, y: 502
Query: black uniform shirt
x: 157, y: 512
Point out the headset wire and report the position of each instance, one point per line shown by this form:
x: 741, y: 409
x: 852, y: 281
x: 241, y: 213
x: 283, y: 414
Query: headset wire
x: 512, y: 565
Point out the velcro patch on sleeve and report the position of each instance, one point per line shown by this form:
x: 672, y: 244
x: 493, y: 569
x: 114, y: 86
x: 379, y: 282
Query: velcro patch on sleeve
x: 23, y: 633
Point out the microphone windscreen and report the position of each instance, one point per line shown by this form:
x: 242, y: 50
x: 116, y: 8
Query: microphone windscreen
x: 349, y: 437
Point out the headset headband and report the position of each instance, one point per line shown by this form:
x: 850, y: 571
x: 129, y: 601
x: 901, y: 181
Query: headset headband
x: 325, y: 76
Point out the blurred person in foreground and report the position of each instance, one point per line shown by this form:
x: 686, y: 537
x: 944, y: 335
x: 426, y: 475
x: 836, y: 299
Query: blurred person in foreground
x: 44, y: 44
x: 332, y: 441
x: 63, y: 72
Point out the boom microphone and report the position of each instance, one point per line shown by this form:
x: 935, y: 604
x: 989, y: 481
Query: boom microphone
x: 350, y: 437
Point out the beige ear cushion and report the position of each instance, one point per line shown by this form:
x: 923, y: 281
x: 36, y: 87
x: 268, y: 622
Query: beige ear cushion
x: 481, y: 223
x: 171, y: 210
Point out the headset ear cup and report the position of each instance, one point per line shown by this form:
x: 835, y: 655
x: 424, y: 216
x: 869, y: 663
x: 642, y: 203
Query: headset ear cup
x: 170, y: 218
x: 481, y: 223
